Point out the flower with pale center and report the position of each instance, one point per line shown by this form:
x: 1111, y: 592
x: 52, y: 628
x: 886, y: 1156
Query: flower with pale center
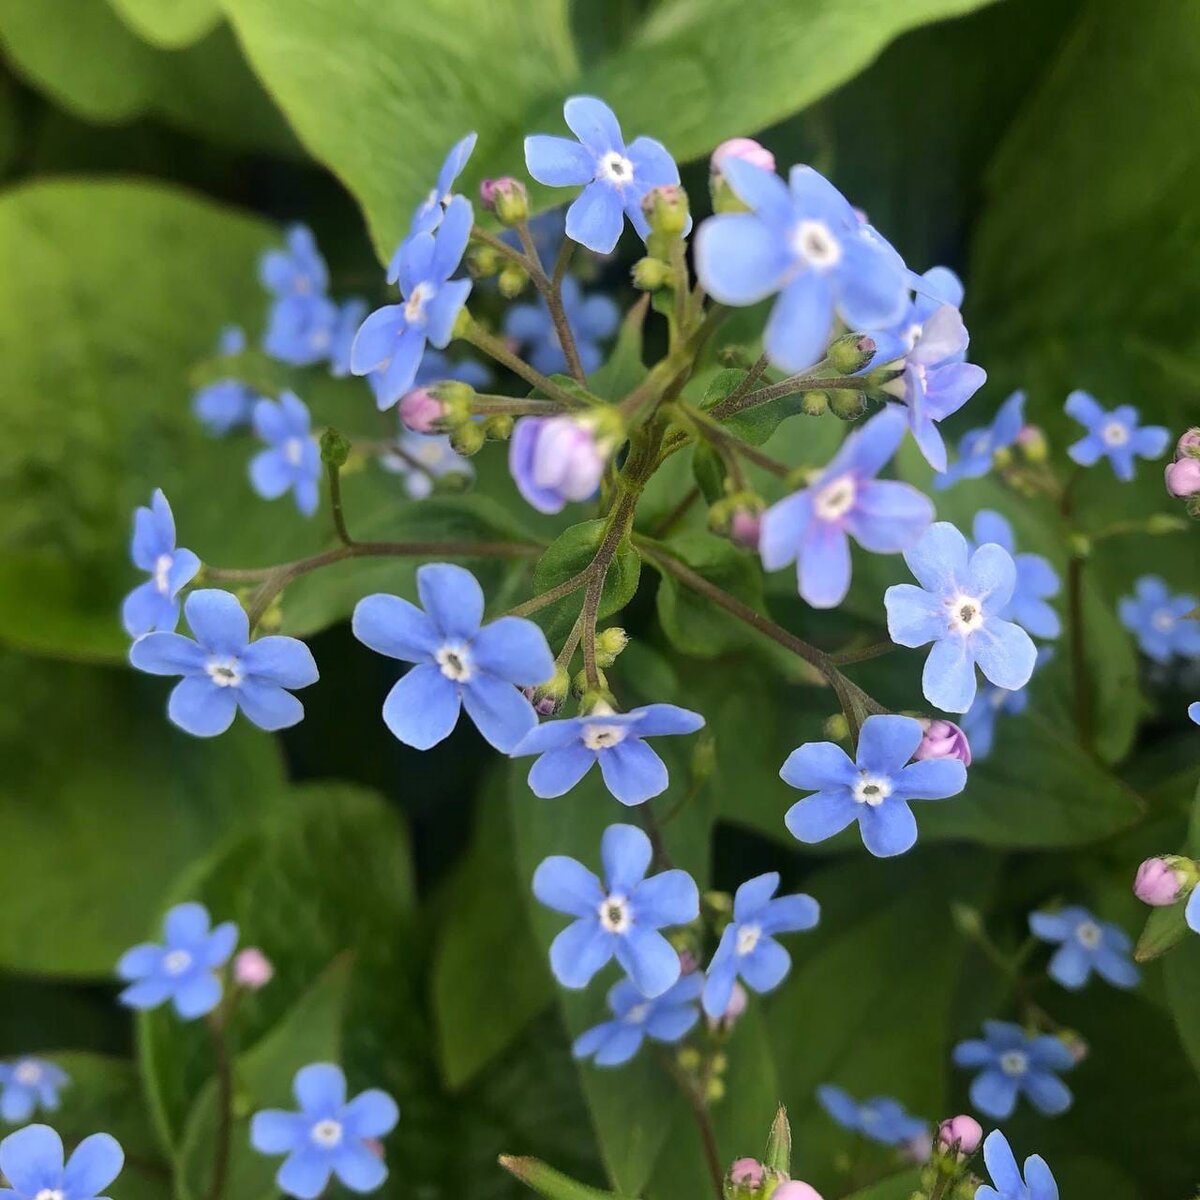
x: 615, y: 915
x: 1014, y: 1063
x: 813, y: 241
x: 224, y: 671
x: 1114, y: 434
x: 175, y: 962
x: 872, y: 790
x: 327, y: 1133
x: 454, y: 659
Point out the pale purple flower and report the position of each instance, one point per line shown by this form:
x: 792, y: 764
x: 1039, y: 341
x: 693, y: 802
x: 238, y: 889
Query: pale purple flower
x: 556, y: 460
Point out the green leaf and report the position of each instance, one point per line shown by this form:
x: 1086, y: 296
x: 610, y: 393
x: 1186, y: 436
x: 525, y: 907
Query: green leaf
x: 149, y: 795
x: 169, y: 23
x: 548, y: 1182
x: 779, y: 1143
x: 895, y: 1187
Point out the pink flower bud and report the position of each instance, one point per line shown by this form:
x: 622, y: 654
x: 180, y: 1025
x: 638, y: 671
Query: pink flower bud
x: 253, y: 969
x: 421, y: 411
x: 747, y: 1172
x: 944, y: 739
x: 795, y: 1189
x: 746, y: 149
x: 1189, y: 443
x: 1158, y: 883
x: 963, y: 1132
x: 1183, y: 477
x: 745, y: 529
x: 506, y: 197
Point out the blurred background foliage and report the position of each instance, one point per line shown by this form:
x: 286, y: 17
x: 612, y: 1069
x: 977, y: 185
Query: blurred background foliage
x: 150, y: 149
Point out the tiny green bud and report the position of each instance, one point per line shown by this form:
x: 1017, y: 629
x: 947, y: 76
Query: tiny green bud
x: 272, y: 620
x: 547, y: 698
x: 455, y: 398
x: 649, y: 274
x: 452, y: 483
x: 507, y: 198
x: 704, y: 757
x: 498, y: 427
x: 593, y: 699
x: 468, y: 438
x: 735, y: 356
x: 967, y: 920
x: 483, y: 261
x: 335, y: 449
x: 666, y: 208
x: 1032, y: 443
x: 814, y: 404
x: 719, y: 1064
x: 609, y: 643
x: 851, y: 352
x: 689, y: 1058
x: 848, y: 406
x: 837, y: 728
x: 723, y: 198
x: 715, y: 1091
x: 1003, y: 457
x: 511, y: 280
x: 463, y: 323
x: 718, y: 902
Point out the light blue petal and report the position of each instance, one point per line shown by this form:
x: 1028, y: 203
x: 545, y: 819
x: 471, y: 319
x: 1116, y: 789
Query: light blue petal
x: 670, y: 1024
x: 596, y: 218
x: 593, y: 123
x: 991, y: 576
x: 218, y: 621
x: 558, y: 162
x: 198, y: 995
x: 550, y: 735
x: 889, y: 517
x: 139, y: 961
x: 32, y: 1159
x: 668, y: 898
x: 358, y: 1168
x: 186, y: 925
x: 798, y: 328
x: 282, y: 661
x: 930, y: 779
x: 840, y: 1106
x: 655, y: 720
x: 17, y: 1104
x: 395, y: 627
x: 888, y: 829
x: 914, y: 616
x: 1001, y: 1163
x: 579, y: 951
x: 422, y: 708
x: 823, y: 570
x: 766, y: 966
x: 939, y: 559
x: 97, y: 1161
x: 791, y: 914
x: 500, y: 712
x: 763, y: 192
x: 1047, y: 1093
x: 147, y: 993
x: 1087, y: 451
x: 719, y: 981
x: 515, y: 650
x: 821, y: 816
x: 305, y: 1173
x: 625, y: 852
x: 1084, y: 409
x: 1052, y: 926
x: 557, y: 771
x: 620, y: 1046
x: 375, y: 342
x: 653, y: 165
x: 948, y: 678
x: 649, y: 960
x: 1116, y: 968
x: 818, y: 765
x: 443, y: 312
x: 1039, y: 1180
x: 974, y: 1052
x: 784, y: 525
x: 1150, y: 441
x: 320, y: 1090
x: 167, y: 654
x: 633, y: 772
x: 452, y: 597
x: 872, y: 291
x: 199, y: 707
x: 270, y: 474
x: 220, y: 944
x: 274, y: 1131
x: 990, y: 526
x: 1192, y: 912
x: 1005, y: 653
x: 566, y: 885
x: 1070, y: 965
x: 994, y: 1093
x: 752, y: 896
x: 886, y: 743
x: 269, y: 707
x: 146, y: 610
x: 739, y: 259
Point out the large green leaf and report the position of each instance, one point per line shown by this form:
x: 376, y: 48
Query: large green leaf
x: 96, y: 781
x: 169, y: 23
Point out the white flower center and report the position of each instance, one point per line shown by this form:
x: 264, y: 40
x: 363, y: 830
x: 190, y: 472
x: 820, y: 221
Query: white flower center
x: 224, y: 671
x: 1088, y: 933
x: 1014, y: 1063
x: 748, y: 937
x: 965, y: 614
x: 637, y: 1014
x: 912, y: 335
x: 872, y: 790
x: 29, y: 1074
x: 814, y: 242
x: 455, y: 660
x: 615, y: 168
x: 319, y: 339
x: 614, y: 914
x: 327, y: 1133
x: 1114, y: 434
x: 835, y: 499
x: 50, y: 1194
x: 1163, y: 620
x: 162, y: 568
x: 176, y: 962
x: 293, y: 450
x: 415, y: 305
x: 603, y: 737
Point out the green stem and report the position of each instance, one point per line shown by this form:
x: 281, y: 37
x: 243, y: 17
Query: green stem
x: 1080, y: 682
x: 788, y: 387
x: 217, y: 1028
x: 334, y: 472
x: 552, y: 294
x: 722, y: 437
x: 752, y: 376
x: 496, y: 349
x: 845, y: 658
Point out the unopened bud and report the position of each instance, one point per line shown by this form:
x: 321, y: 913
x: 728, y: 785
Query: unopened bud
x: 498, y: 427
x: 649, y: 274
x: 547, y: 698
x: 837, y: 728
x: 609, y: 643
x: 961, y: 1134
x: 735, y: 356
x: 944, y: 739
x: 851, y: 352
x: 1188, y: 445
x: 252, y: 969
x: 738, y: 1000
x: 666, y: 208
x: 507, y: 198
x: 846, y: 405
x: 745, y: 528
x: 917, y: 1149
x: 483, y: 260
x: 814, y: 404
x: 747, y: 149
x: 1183, y: 477
x: 511, y: 280
x: 335, y: 448
x: 1032, y: 442
x: 1163, y: 880
x: 421, y: 411
x: 1076, y: 1046
x: 795, y: 1189
x: 468, y: 438
x: 715, y: 1091
x: 967, y: 920
x: 689, y: 1058
x: 746, y: 1173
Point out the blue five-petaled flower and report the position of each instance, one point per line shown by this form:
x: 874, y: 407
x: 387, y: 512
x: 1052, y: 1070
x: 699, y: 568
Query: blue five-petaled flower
x: 1113, y: 435
x: 154, y: 605
x: 291, y: 461
x: 591, y: 319
x: 223, y: 670
x: 1159, y: 620
x: 328, y: 1136
x: 874, y: 791
x: 664, y: 1019
x: 1036, y: 582
x: 429, y: 213
x: 632, y: 772
x: 461, y: 663
x: 1085, y: 944
x: 748, y: 949
x: 1007, y: 1182
x: 1011, y: 1063
x: 881, y: 1118
x: 226, y: 403
x: 957, y: 607
x: 810, y: 527
x: 803, y: 240
x: 183, y: 969
x: 31, y: 1160
x: 298, y: 270
x: 620, y: 917
x: 27, y: 1085
x: 978, y: 447
x: 615, y: 177
x: 302, y: 319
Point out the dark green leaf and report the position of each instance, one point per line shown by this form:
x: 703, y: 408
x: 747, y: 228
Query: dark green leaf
x: 169, y: 23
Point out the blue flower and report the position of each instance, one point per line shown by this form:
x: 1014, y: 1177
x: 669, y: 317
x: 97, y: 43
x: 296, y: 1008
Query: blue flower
x: 223, y: 670
x: 615, y: 177
x: 349, y: 317
x: 619, y: 918
x: 1037, y: 1184
x: 299, y: 270
x: 1192, y: 912
x: 1085, y: 945
x: 1036, y: 578
x: 328, y: 1136
x: 635, y: 1018
x: 937, y: 287
x: 184, y: 970
x: 555, y: 461
x: 957, y: 608
x: 1113, y: 435
x: 990, y: 701
x: 393, y: 338
x: 874, y: 791
x: 591, y: 318
x: 880, y: 1118
x: 301, y: 330
x: 460, y: 664
x: 423, y: 458
x: 1158, y: 618
x: 1014, y: 1064
x: 1194, y: 711
x: 227, y: 403
x: 292, y: 461
x: 977, y: 448
x: 804, y: 241
x: 632, y: 772
x: 810, y: 527
x: 748, y: 949
x: 27, y: 1085
x: 429, y: 213
x: 154, y: 605
x: 31, y: 1160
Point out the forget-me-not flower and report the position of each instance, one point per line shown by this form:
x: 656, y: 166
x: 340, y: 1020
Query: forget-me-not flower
x: 556, y: 461
x: 810, y: 527
x: 350, y: 316
x: 620, y: 917
x: 937, y: 287
x: 423, y: 458
x: 301, y: 330
x: 297, y: 270
x: 226, y: 403
x: 1158, y: 618
x: 1011, y: 1063
x: 183, y: 969
x: 392, y: 339
x: 223, y: 670
x: 429, y: 213
x: 1085, y: 944
x: 979, y: 723
x: 329, y: 1136
x: 292, y: 460
x: 1194, y: 711
x: 874, y: 790
x: 460, y: 663
x: 1036, y: 582
x: 615, y: 177
x: 977, y: 448
x: 592, y: 319
x: 881, y: 1118
x: 1113, y: 435
x: 957, y: 607
x: 154, y: 605
x: 31, y: 1160
x: 27, y: 1085
x: 632, y: 771
x: 748, y: 949
x: 665, y: 1019
x: 803, y: 240
x: 1007, y: 1182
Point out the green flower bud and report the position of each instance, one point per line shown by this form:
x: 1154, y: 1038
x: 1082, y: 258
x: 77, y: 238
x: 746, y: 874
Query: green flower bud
x: 335, y: 448
x: 511, y: 280
x: 498, y: 427
x: 609, y: 643
x: 483, y: 261
x: 851, y: 352
x: 814, y: 404
x: 837, y: 728
x: 455, y: 398
x: 468, y: 438
x: 547, y: 698
x: 848, y: 406
x: 507, y: 198
x: 1031, y: 441
x: 649, y: 274
x: 666, y: 208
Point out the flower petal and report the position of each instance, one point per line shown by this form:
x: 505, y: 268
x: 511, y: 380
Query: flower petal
x: 358, y: 1168
x: 282, y: 661
x: 557, y: 771
x: 914, y: 616
x: 930, y: 779
x: 320, y: 1090
x: 649, y: 959
x: 269, y: 707
x: 305, y: 1173
x: 625, y: 852
x: 274, y: 1131
x: 821, y: 816
x: 596, y: 218
x: 579, y: 951
x: 566, y: 885
x: 422, y: 708
x: 994, y: 1093
x: 167, y: 654
x: 823, y: 571
x: 198, y: 995
x: 888, y: 829
x: 218, y: 621
x: 886, y: 743
x: 1001, y: 1163
x: 395, y: 627
x: 766, y: 966
x: 798, y: 328
x: 500, y: 711
x: 32, y: 1159
x: 668, y: 898
x: 452, y: 597
x: 633, y: 772
x: 515, y: 650
x: 593, y: 123
x: 199, y: 707
x: 739, y: 259
x: 97, y: 1161
x: 948, y: 679
x: 939, y: 559
x: 1005, y: 653
x: 558, y: 161
x: 819, y: 765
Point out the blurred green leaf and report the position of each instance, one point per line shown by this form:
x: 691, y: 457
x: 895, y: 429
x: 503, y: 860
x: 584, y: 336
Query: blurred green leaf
x: 169, y: 23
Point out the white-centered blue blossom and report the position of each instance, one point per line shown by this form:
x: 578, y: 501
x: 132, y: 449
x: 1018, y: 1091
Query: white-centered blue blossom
x: 1012, y: 1063
x: 1085, y: 945
x: 429, y: 213
x: 665, y: 1019
x: 29, y: 1084
x: 977, y: 448
x: 1007, y: 1181
x: 31, y: 1160
x: 1037, y: 581
x: 225, y: 404
x: 882, y: 1119
x: 1159, y: 619
x: 292, y: 461
x: 1114, y: 435
x: 154, y: 605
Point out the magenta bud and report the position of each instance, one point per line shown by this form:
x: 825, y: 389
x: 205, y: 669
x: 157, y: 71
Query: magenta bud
x: 506, y: 197
x: 421, y: 411
x: 544, y: 706
x: 253, y: 969
x: 745, y: 528
x: 747, y: 149
x: 1189, y: 443
x: 963, y: 1133
x: 944, y: 739
x: 1183, y: 477
x: 795, y: 1189
x: 747, y: 1172
x: 1158, y: 883
x: 688, y: 962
